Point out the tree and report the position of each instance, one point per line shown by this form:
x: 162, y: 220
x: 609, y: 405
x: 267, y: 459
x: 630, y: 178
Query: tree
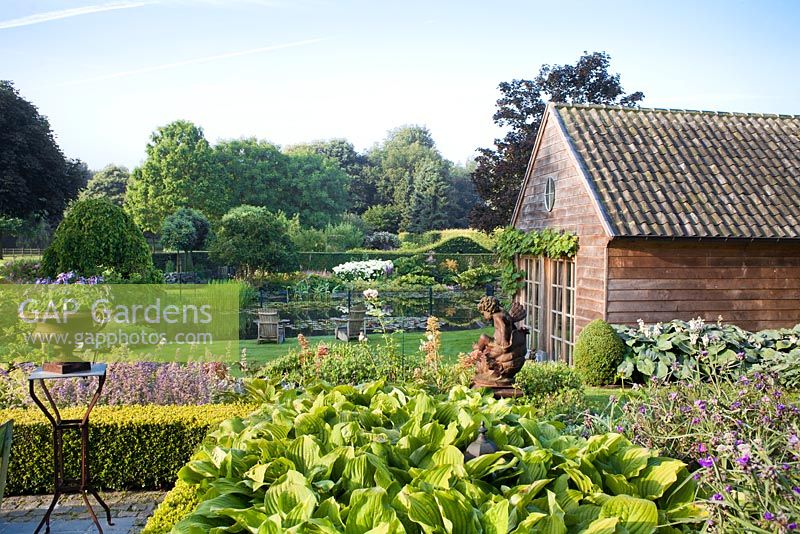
x: 8, y: 225
x: 363, y: 190
x: 383, y: 218
x: 317, y: 188
x: 398, y: 160
x: 500, y: 170
x: 179, y: 172
x: 34, y: 176
x: 429, y: 204
x: 463, y: 197
x: 96, y: 235
x: 185, y: 230
x: 254, y: 172
x: 252, y: 237
x: 110, y: 183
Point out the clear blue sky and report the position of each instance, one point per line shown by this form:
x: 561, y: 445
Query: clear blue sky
x: 108, y: 73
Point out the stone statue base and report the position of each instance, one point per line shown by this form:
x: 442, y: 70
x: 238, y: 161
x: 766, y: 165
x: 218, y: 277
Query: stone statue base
x: 503, y: 388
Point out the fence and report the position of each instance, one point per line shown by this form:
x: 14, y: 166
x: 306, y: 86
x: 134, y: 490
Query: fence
x: 401, y: 310
x: 23, y: 251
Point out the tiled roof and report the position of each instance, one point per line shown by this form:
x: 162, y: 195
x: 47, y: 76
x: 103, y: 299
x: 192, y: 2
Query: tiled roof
x: 676, y: 173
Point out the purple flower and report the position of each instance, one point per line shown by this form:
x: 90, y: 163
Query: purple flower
x: 769, y: 516
x: 793, y: 439
x: 717, y: 497
x: 620, y: 429
x: 701, y: 448
x: 701, y: 405
x: 708, y: 461
x: 796, y: 489
x: 743, y: 460
x: 792, y: 526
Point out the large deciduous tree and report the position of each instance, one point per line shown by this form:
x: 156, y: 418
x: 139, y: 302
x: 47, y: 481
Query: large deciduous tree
x: 317, y: 188
x: 252, y: 237
x: 254, y: 172
x: 34, y: 176
x: 363, y: 190
x: 110, y: 183
x: 500, y: 170
x: 179, y: 172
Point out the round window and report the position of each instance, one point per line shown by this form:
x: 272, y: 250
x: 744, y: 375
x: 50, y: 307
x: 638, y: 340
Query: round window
x: 550, y: 194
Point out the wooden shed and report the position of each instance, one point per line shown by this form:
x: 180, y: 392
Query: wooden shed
x: 678, y: 214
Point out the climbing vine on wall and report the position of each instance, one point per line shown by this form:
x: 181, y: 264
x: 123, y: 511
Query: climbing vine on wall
x: 512, y: 243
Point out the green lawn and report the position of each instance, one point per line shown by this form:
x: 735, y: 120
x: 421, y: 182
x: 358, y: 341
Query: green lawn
x: 453, y: 343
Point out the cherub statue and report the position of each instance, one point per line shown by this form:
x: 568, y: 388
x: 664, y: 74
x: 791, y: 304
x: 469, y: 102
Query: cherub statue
x: 499, y: 359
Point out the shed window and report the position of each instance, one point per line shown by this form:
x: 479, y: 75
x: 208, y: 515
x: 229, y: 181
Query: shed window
x: 550, y: 194
x: 550, y: 306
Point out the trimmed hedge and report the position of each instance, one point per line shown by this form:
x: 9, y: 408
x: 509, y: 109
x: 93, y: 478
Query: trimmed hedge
x: 179, y: 502
x: 598, y: 353
x: 131, y: 447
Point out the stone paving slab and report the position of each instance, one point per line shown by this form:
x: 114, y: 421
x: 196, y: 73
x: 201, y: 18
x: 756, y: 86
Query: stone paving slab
x: 129, y: 511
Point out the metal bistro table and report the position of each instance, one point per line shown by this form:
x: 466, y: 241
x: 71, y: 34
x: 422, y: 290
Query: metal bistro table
x: 65, y: 486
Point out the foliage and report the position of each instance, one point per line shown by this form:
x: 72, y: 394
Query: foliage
x: 325, y: 261
x: 110, y: 183
x: 429, y: 209
x: 179, y: 172
x: 520, y: 109
x: 178, y: 503
x: 382, y: 241
x: 478, y: 277
x: 362, y: 186
x: 186, y: 230
x: 680, y: 349
x: 538, y: 380
x: 340, y: 363
x: 383, y: 218
x: 364, y: 270
x: 512, y: 243
x: 21, y: 271
x: 406, y: 280
x: 742, y: 434
x: 598, y: 353
x: 339, y: 237
x: 387, y: 459
x: 451, y: 240
x: 782, y: 364
x: 34, y: 176
x: 133, y: 447
x: 251, y: 238
x: 96, y: 235
x: 323, y: 195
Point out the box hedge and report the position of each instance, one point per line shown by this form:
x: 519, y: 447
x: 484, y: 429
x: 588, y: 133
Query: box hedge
x: 131, y: 447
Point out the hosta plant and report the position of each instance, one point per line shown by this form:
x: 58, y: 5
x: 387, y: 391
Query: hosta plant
x: 376, y: 458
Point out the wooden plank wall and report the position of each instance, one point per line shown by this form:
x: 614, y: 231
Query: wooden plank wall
x: 573, y: 211
x: 755, y: 285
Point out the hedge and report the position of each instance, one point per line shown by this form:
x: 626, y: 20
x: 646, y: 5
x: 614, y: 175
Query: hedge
x: 179, y: 502
x: 131, y: 447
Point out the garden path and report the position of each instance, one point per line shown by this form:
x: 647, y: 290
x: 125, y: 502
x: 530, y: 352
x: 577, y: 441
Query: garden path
x: 129, y: 510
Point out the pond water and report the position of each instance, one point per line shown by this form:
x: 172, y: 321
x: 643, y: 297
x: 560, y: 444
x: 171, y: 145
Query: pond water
x: 407, y: 311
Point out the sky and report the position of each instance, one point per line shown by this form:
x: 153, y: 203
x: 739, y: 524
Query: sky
x: 108, y: 73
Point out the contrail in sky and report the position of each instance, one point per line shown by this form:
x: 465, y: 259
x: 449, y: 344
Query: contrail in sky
x: 194, y: 61
x: 47, y: 16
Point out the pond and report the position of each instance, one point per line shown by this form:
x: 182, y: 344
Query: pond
x: 406, y: 310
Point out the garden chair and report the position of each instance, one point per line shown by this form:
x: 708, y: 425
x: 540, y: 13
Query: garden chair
x: 5, y: 450
x: 353, y: 325
x: 270, y: 327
